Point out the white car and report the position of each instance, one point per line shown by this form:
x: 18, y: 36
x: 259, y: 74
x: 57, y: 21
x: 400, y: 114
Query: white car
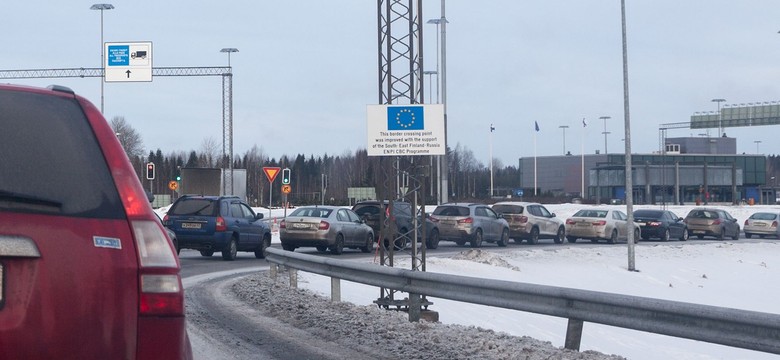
x: 762, y: 224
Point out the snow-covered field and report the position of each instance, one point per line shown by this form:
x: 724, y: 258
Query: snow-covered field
x: 731, y: 274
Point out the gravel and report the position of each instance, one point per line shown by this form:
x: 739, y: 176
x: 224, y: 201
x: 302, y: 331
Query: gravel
x: 383, y: 334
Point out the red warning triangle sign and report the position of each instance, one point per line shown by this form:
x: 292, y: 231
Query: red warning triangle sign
x: 271, y: 172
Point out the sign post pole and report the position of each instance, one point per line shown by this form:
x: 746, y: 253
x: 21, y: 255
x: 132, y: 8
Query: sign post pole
x: 270, y: 173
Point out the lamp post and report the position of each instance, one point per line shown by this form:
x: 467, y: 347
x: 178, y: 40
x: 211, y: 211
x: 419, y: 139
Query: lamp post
x: 492, y: 128
x: 564, y: 127
x: 757, y: 142
x: 442, y: 165
x: 720, y: 122
x: 227, y: 122
x: 101, y: 7
x: 605, y: 118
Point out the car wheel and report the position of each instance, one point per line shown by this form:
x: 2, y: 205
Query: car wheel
x: 665, y: 236
x: 736, y: 234
x: 322, y: 248
x: 504, y: 238
x: 206, y: 253
x: 338, y: 247
x: 571, y: 239
x: 433, y: 241
x: 401, y: 243
x: 369, y: 244
x: 613, y: 238
x: 685, y: 235
x: 636, y: 236
x: 231, y: 250
x: 260, y: 254
x: 288, y: 247
x: 722, y: 234
x: 560, y: 235
x: 476, y: 241
x: 176, y: 246
x: 534, y: 238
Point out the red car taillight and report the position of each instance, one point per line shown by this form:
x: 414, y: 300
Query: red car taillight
x: 747, y: 221
x: 520, y: 218
x: 324, y: 225
x: 161, y: 292
x: 716, y: 222
x: 570, y: 222
x: 599, y: 223
x: 654, y: 223
x: 467, y: 220
x: 774, y: 224
x: 282, y: 224
x: 221, y: 224
x: 433, y: 219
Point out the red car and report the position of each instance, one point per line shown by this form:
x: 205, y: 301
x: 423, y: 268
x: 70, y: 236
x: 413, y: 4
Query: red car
x: 86, y: 269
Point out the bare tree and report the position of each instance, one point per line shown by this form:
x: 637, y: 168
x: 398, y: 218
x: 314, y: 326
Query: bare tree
x: 128, y: 137
x: 209, y: 149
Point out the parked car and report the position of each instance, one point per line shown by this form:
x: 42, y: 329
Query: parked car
x: 599, y: 224
x: 402, y: 217
x: 714, y: 222
x: 474, y: 223
x: 762, y: 224
x: 218, y: 223
x: 87, y: 270
x: 661, y: 224
x: 531, y: 221
x: 325, y: 227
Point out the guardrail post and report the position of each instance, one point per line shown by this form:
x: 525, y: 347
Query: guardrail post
x: 293, y: 278
x: 335, y: 289
x: 414, y: 307
x: 273, y: 271
x: 573, y: 334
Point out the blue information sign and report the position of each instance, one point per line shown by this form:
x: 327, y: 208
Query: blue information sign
x: 118, y: 55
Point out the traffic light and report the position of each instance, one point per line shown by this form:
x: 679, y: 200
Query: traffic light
x: 286, y: 176
x: 150, y: 171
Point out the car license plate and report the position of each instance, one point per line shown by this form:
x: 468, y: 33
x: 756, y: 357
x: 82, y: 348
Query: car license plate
x: 300, y: 226
x: 759, y: 224
x: 698, y: 231
x: 190, y: 225
x: 583, y: 224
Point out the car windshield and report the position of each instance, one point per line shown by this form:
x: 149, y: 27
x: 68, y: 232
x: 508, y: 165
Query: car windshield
x: 198, y: 207
x: 451, y: 211
x: 311, y: 212
x: 591, y: 213
x: 508, y: 209
x: 763, y: 216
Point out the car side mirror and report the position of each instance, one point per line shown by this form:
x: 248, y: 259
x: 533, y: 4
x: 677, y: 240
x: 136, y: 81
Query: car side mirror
x: 258, y: 216
x: 552, y: 215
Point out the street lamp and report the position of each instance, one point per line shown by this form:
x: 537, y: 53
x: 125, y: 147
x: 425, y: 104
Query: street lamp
x: 492, y: 128
x: 227, y: 122
x: 228, y: 51
x: 605, y: 118
x: 101, y: 7
x: 720, y: 123
x: 564, y: 127
x: 441, y: 76
x: 757, y: 142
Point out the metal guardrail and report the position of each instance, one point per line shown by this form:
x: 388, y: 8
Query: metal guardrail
x: 732, y: 327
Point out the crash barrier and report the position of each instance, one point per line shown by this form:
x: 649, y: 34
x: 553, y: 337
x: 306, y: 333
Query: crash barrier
x: 732, y: 327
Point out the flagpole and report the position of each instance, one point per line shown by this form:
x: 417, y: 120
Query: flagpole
x: 582, y: 161
x: 491, y: 159
x: 535, y: 187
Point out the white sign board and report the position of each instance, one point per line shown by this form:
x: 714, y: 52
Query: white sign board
x: 128, y: 62
x: 406, y: 130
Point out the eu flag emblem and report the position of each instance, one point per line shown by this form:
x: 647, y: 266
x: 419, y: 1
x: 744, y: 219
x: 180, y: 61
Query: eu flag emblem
x: 405, y: 118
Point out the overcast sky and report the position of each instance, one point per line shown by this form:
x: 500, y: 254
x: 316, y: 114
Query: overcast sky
x: 306, y: 69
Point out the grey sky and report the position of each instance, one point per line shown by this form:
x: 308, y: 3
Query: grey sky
x: 307, y: 69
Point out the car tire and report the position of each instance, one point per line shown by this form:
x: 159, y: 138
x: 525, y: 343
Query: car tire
x: 504, y: 240
x: 722, y: 234
x: 260, y: 254
x: 476, y: 240
x: 231, y: 250
x: 369, y: 247
x: 685, y: 235
x: 613, y: 237
x: 433, y: 241
x: 206, y: 253
x: 288, y: 247
x: 571, y: 239
x: 736, y: 234
x: 665, y: 236
x: 176, y: 246
x: 636, y: 236
x: 560, y: 235
x: 338, y: 247
x: 533, y: 239
x: 322, y: 248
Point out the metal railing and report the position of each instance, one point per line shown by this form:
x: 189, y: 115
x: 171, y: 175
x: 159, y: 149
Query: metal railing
x: 732, y: 327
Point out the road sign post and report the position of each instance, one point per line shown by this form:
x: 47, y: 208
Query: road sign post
x: 128, y: 62
x: 270, y: 173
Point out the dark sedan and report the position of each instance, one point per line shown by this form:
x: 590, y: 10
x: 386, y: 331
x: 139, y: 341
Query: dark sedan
x: 661, y: 224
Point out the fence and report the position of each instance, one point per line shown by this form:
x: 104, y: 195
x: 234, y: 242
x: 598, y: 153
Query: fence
x: 732, y: 327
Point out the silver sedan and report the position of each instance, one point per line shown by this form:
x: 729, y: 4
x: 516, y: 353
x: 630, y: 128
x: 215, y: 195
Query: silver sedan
x: 326, y: 228
x: 599, y: 224
x: 762, y: 224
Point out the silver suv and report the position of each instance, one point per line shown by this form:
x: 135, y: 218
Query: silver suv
x: 475, y: 223
x: 531, y: 221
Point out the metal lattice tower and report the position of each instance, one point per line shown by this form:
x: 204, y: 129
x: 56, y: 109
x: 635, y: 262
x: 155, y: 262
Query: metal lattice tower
x: 401, y: 82
x: 227, y: 97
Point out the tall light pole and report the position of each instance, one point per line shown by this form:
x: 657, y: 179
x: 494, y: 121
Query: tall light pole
x: 491, y: 159
x: 227, y: 123
x: 605, y: 118
x: 757, y: 142
x: 430, y: 74
x: 442, y: 166
x: 564, y: 127
x: 720, y: 122
x: 102, y: 7
x: 627, y: 123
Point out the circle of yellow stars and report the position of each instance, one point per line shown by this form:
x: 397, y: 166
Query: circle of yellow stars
x: 405, y: 124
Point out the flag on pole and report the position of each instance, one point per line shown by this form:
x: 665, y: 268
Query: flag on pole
x: 492, y: 128
x: 536, y: 124
x: 584, y: 124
